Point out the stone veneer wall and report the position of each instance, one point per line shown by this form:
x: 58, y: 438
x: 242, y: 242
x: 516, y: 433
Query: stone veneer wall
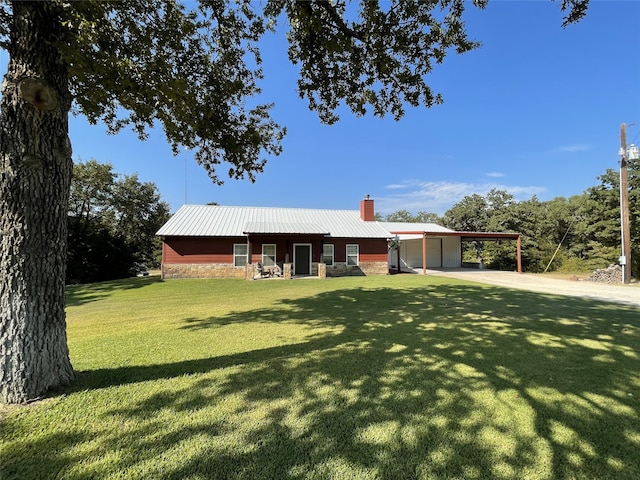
x: 375, y: 268
x: 365, y: 268
x: 202, y: 270
x: 208, y: 270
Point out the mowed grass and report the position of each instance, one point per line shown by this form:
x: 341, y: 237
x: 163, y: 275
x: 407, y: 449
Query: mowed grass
x: 390, y: 377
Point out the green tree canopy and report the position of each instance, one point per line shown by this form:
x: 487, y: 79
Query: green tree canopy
x: 407, y: 216
x: 112, y: 223
x: 400, y: 216
x: 471, y: 214
x: 604, y: 208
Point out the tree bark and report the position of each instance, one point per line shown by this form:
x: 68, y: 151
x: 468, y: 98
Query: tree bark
x: 35, y: 175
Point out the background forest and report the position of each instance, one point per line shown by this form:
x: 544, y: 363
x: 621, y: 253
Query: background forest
x: 112, y: 224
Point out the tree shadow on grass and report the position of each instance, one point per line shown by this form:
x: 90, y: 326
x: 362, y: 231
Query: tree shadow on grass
x: 446, y: 381
x: 77, y: 295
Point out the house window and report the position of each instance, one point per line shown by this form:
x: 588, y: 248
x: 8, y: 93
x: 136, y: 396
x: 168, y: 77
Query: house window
x: 268, y: 255
x: 240, y: 257
x: 352, y: 255
x: 327, y: 254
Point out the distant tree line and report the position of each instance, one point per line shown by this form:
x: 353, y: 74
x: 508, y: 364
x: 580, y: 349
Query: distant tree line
x: 112, y: 221
x: 579, y: 233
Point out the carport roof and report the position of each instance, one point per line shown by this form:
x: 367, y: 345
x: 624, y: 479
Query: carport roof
x: 488, y: 236
x: 409, y: 231
x: 408, y: 227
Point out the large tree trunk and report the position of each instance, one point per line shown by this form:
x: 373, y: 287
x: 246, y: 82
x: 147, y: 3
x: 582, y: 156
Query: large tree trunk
x: 35, y: 175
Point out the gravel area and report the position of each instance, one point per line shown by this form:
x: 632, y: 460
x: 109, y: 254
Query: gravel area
x: 625, y: 294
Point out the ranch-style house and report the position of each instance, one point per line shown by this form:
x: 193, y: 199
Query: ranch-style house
x: 205, y: 241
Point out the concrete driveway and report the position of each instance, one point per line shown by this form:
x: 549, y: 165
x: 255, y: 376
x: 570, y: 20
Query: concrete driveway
x: 625, y: 294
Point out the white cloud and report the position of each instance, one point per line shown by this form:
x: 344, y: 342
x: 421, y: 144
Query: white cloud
x: 495, y: 174
x: 580, y: 147
x: 438, y: 197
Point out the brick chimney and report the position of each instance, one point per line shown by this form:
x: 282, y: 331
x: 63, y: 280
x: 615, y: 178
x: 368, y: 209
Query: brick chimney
x: 366, y: 209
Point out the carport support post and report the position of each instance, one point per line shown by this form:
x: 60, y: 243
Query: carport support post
x: 519, y: 254
x: 424, y: 253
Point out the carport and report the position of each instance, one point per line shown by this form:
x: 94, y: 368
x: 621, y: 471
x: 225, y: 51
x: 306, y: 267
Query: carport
x: 463, y: 236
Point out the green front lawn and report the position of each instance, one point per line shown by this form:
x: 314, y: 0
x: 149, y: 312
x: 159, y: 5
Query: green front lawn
x: 390, y: 377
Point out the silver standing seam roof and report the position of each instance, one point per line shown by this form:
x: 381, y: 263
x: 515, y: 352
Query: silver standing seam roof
x: 414, y: 227
x: 224, y: 221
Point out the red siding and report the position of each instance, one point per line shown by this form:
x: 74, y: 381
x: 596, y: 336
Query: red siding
x: 199, y: 249
x: 284, y: 246
x: 371, y: 249
x: 220, y: 250
x: 256, y: 247
x: 374, y: 250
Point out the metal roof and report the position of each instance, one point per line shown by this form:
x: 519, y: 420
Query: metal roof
x: 225, y: 221
x: 412, y: 231
x: 481, y: 236
x: 285, y: 227
x: 399, y: 227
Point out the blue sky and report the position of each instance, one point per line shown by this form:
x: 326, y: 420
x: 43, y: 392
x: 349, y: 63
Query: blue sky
x: 536, y: 110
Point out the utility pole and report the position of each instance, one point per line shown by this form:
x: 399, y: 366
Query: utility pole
x: 625, y: 260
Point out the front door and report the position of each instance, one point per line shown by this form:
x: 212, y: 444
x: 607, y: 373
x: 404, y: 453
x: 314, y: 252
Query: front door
x: 302, y: 259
